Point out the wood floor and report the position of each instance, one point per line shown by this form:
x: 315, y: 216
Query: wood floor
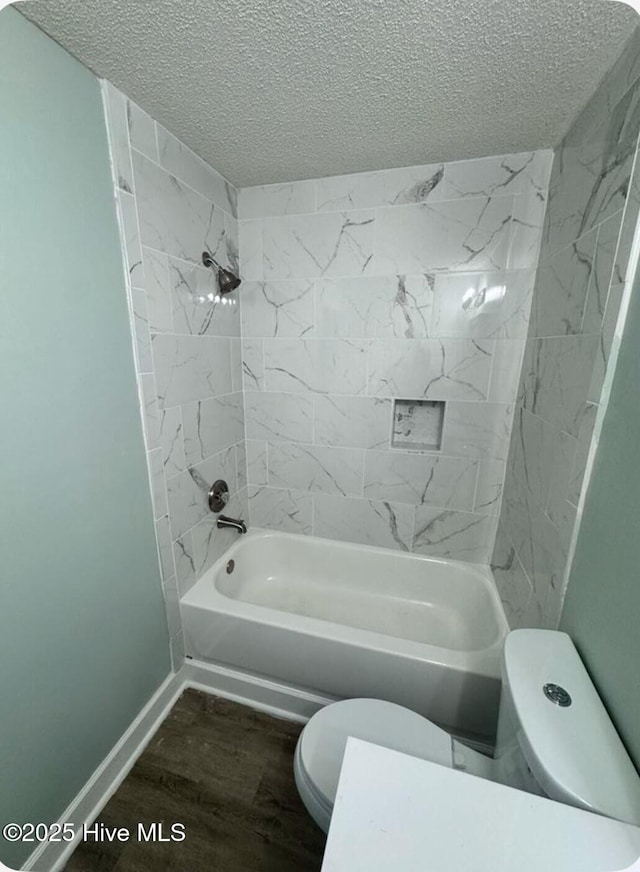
x: 225, y: 772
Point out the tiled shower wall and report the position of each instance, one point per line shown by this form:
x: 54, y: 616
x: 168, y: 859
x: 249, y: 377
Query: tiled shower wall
x: 410, y: 284
x: 172, y: 206
x: 591, y: 217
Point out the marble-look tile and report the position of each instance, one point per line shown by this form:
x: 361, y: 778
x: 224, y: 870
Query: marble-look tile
x: 591, y: 173
x: 562, y: 286
x: 184, y: 562
x: 511, y: 580
x: 241, y: 464
x: 526, y: 230
x: 232, y: 242
x: 278, y: 416
x: 157, y: 292
x: 386, y: 525
x: 505, y: 372
x: 171, y: 441
x: 235, y: 358
x: 622, y: 268
x: 187, y: 492
x: 480, y: 430
x: 281, y: 308
x: 605, y: 341
x: 482, y: 305
x: 190, y: 368
x: 250, y: 241
x: 197, y: 307
x: 539, y: 544
x: 562, y: 514
x: 421, y: 480
x: 602, y: 274
x: 284, y: 510
x: 209, y: 543
x: 361, y: 307
x: 535, y: 175
x: 483, y: 177
x: 158, y: 489
x: 315, y: 365
x: 465, y: 235
x: 212, y: 425
x: 315, y: 468
x: 448, y: 369
x: 265, y: 201
x: 585, y: 435
x: 150, y: 417
x: 540, y: 456
x: 116, y: 111
x: 456, y: 535
x: 356, y: 191
x: 489, y: 488
x: 310, y: 246
x: 165, y: 547
x: 142, y: 131
x: 131, y: 238
x: 144, y: 361
x: 253, y: 364
x: 184, y: 164
x: 173, y: 217
x: 257, y: 473
x: 352, y: 422
x: 555, y: 378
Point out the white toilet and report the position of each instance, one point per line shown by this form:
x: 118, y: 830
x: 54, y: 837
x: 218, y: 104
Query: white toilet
x: 554, y: 736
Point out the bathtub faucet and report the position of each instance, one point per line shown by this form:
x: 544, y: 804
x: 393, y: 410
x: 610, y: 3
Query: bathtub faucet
x: 223, y: 521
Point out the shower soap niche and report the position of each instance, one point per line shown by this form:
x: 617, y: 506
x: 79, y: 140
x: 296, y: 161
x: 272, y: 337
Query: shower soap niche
x: 417, y: 424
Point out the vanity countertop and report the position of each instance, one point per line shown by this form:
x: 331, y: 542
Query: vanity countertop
x: 395, y: 813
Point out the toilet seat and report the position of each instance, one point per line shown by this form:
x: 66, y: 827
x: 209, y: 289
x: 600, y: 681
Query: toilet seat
x: 321, y: 745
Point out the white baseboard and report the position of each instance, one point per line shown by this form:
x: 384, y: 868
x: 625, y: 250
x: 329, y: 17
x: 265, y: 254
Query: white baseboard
x: 259, y: 693
x: 87, y: 804
x: 262, y: 694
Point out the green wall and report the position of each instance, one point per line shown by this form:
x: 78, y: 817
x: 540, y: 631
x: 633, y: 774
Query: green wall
x: 602, y: 608
x: 83, y: 632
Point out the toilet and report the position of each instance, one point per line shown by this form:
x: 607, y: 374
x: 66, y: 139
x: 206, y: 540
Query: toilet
x: 554, y: 738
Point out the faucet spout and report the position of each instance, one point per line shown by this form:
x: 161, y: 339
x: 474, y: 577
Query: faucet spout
x: 223, y: 521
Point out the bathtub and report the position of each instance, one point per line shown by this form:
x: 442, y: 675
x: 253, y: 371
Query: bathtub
x: 350, y: 620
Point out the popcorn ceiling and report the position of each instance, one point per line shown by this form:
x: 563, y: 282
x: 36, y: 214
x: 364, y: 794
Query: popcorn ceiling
x: 276, y: 90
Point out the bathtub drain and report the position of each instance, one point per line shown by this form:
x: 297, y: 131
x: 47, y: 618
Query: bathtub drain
x: 231, y: 566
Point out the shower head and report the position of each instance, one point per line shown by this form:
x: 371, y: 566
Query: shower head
x: 227, y: 281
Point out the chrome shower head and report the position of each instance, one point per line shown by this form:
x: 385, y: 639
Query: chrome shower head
x: 227, y: 281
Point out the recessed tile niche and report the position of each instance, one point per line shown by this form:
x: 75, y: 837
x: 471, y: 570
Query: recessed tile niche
x: 417, y: 424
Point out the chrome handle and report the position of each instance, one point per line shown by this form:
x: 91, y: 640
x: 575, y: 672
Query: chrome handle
x: 218, y: 495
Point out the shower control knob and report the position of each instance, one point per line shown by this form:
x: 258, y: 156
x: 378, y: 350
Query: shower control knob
x: 218, y: 495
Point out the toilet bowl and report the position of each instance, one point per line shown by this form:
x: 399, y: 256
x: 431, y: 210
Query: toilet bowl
x: 554, y: 739
x: 320, y: 748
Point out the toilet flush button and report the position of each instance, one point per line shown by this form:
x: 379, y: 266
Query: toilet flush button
x: 557, y: 695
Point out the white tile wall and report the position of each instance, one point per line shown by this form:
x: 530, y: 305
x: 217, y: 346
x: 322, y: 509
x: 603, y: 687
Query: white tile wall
x: 173, y: 206
x: 590, y: 220
x: 414, y: 284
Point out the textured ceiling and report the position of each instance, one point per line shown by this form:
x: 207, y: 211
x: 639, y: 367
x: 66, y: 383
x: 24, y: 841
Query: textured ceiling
x: 275, y: 90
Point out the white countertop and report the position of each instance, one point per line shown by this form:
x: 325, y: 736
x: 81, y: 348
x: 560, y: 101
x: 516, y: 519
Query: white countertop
x: 395, y: 813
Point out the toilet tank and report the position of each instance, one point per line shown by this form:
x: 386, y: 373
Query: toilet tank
x: 554, y: 735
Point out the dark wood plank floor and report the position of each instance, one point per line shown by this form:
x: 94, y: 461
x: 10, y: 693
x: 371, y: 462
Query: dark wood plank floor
x: 226, y: 773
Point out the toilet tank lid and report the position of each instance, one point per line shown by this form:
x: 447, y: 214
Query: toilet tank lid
x: 573, y: 750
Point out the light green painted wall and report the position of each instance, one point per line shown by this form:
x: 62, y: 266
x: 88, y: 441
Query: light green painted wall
x: 602, y: 608
x: 83, y: 632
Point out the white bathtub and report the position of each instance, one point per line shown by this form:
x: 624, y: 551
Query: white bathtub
x: 350, y: 620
